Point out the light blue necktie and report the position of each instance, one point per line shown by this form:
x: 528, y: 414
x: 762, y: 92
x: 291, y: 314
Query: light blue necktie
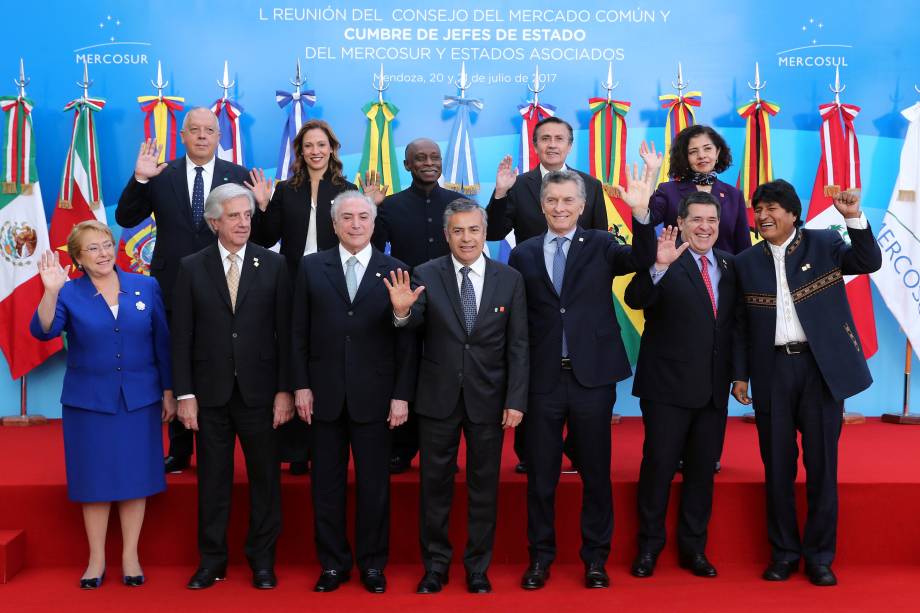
x: 351, y: 280
x: 558, y: 275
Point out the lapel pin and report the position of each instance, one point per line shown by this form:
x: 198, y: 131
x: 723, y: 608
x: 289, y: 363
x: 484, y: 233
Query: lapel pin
x: 721, y: 194
x: 255, y: 262
x: 581, y: 239
x: 140, y: 306
x: 806, y: 267
x: 378, y: 275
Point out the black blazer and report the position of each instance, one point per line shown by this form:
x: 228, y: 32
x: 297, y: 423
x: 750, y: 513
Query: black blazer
x: 520, y: 209
x: 349, y: 352
x: 288, y: 215
x: 166, y: 197
x: 685, y: 353
x: 585, y: 307
x: 490, y: 365
x: 213, y: 346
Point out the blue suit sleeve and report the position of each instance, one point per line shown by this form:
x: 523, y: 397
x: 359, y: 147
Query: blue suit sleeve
x: 61, y: 318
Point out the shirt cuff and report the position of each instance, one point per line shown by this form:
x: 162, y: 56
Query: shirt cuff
x: 645, y: 219
x: 656, y: 274
x: 141, y: 181
x: 857, y: 223
x: 400, y: 322
x: 185, y: 396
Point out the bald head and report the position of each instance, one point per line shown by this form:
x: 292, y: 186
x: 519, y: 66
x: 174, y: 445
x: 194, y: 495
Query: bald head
x: 423, y: 161
x: 200, y: 134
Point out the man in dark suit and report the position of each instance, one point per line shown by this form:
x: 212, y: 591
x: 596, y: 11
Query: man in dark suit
x: 354, y: 373
x: 472, y: 378
x: 231, y: 350
x: 577, y: 358
x: 797, y: 343
x: 682, y: 379
x: 175, y: 193
x: 515, y: 205
x: 412, y: 222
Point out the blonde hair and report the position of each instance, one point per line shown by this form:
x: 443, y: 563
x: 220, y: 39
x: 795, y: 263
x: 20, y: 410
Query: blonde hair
x: 75, y: 239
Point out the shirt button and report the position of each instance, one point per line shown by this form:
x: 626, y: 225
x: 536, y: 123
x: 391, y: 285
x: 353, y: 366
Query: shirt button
x: 234, y: 335
x: 562, y: 310
x: 466, y: 346
x: 428, y: 201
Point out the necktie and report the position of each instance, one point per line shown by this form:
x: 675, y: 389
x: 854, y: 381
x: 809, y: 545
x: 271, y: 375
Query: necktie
x: 704, y: 269
x: 198, y: 198
x: 468, y: 299
x: 233, y: 278
x: 558, y: 275
x: 351, y: 280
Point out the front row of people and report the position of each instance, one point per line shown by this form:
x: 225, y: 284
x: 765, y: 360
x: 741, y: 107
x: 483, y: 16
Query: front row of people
x: 533, y: 344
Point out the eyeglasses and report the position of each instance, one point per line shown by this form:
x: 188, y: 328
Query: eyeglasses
x: 95, y: 249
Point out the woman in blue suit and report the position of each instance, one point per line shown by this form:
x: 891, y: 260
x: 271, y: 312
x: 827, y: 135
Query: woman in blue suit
x: 117, y: 388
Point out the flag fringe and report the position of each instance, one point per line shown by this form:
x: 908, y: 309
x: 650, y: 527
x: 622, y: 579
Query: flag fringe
x: 9, y: 187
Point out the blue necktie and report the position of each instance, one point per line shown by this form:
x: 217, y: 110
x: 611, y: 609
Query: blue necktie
x: 198, y: 198
x: 468, y: 300
x: 351, y: 279
x: 558, y: 275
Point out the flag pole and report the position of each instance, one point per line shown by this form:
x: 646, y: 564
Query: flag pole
x: 905, y: 417
x: 23, y: 419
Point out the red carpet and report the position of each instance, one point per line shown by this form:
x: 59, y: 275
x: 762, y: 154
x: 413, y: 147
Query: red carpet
x: 879, y: 498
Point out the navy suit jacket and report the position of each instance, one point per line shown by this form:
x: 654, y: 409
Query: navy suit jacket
x: 734, y: 234
x: 816, y: 261
x: 585, y: 307
x: 166, y: 197
x: 110, y: 357
x: 685, y: 353
x: 347, y: 351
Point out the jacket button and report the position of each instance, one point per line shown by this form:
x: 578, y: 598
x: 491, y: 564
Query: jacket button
x: 562, y: 310
x: 466, y: 346
x: 429, y: 220
x: 116, y: 329
x: 118, y: 369
x: 118, y: 356
x: 347, y: 339
x: 234, y: 335
x: 430, y: 240
x: 350, y: 313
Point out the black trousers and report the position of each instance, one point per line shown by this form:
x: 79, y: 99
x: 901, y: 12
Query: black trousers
x: 439, y: 440
x: 294, y: 441
x: 800, y: 401
x: 587, y: 412
x: 671, y: 433
x: 520, y: 444
x: 181, y: 440
x: 218, y: 428
x: 370, y: 445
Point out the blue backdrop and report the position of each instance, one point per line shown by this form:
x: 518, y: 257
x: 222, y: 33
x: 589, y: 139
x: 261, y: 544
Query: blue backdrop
x: 421, y: 44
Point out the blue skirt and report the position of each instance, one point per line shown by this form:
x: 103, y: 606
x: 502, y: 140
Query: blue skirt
x: 113, y: 457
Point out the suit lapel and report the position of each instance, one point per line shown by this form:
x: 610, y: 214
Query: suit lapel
x: 216, y: 269
x: 248, y: 274
x: 540, y: 262
x: 688, y: 262
x: 376, y: 270
x: 449, y: 279
x: 726, y: 291
x: 179, y: 182
x: 335, y: 273
x: 571, y: 259
x: 220, y: 175
x: 489, y: 283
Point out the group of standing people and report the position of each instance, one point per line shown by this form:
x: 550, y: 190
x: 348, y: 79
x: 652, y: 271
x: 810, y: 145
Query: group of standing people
x: 385, y: 356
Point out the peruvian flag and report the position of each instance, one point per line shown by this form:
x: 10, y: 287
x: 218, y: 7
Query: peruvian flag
x: 23, y: 238
x: 839, y: 170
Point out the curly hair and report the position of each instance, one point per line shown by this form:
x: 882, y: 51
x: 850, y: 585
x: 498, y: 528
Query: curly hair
x: 679, y: 164
x: 299, y: 172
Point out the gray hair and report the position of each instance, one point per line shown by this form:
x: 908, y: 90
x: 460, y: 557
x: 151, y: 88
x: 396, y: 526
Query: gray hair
x: 463, y: 205
x: 214, y: 205
x: 352, y: 195
x: 555, y: 177
x: 199, y: 108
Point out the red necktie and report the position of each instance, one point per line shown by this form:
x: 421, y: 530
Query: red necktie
x: 704, y: 269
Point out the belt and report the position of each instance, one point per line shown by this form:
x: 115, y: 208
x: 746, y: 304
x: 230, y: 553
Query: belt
x: 793, y: 348
x: 566, y: 364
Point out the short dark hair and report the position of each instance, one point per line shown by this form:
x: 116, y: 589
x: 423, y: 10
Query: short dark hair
x: 782, y: 193
x: 548, y: 120
x: 698, y: 197
x: 463, y: 205
x: 554, y: 177
x: 679, y: 165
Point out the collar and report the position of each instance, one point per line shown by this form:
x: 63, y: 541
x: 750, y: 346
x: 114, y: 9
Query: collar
x: 550, y: 236
x: 118, y: 273
x: 544, y: 170
x: 224, y: 253
x: 779, y: 251
x: 478, y: 267
x: 415, y: 189
x: 364, y: 256
x: 709, y: 255
x: 208, y: 166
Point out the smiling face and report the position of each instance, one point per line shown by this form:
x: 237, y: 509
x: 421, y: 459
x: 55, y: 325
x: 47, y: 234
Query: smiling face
x: 423, y: 161
x: 97, y: 253
x: 702, y: 154
x: 562, y: 205
x: 200, y: 135
x: 234, y: 225
x: 466, y: 235
x: 700, y: 227
x: 552, y: 143
x: 353, y: 224
x: 774, y: 223
x: 315, y: 150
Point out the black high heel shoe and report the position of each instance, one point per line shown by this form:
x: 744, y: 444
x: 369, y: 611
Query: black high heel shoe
x: 133, y: 581
x: 92, y: 584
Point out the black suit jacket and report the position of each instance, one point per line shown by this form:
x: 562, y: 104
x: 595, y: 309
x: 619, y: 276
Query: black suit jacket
x: 585, y: 307
x: 213, y: 346
x: 349, y: 352
x: 520, y: 209
x: 166, y: 197
x: 490, y: 365
x: 287, y: 218
x: 685, y: 353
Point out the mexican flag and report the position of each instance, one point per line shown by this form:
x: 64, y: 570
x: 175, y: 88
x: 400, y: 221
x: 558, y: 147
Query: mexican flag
x: 23, y: 238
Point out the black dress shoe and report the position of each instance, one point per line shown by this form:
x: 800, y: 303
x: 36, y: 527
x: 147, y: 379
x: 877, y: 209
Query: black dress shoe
x: 399, y: 465
x: 478, y: 583
x: 644, y: 565
x: 299, y: 468
x: 536, y: 576
x: 431, y: 582
x: 820, y: 574
x: 330, y: 580
x: 521, y: 468
x: 779, y: 570
x: 175, y: 464
x: 596, y: 575
x: 264, y: 579
x: 133, y: 580
x: 374, y: 581
x: 93, y: 583
x: 205, y: 578
x: 698, y: 565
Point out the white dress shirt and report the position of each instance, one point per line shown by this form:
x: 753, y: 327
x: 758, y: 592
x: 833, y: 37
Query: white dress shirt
x: 223, y: 257
x: 310, y: 246
x: 544, y: 170
x: 207, y: 176
x: 363, y: 256
x: 788, y: 327
x: 477, y: 276
x: 549, y: 248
